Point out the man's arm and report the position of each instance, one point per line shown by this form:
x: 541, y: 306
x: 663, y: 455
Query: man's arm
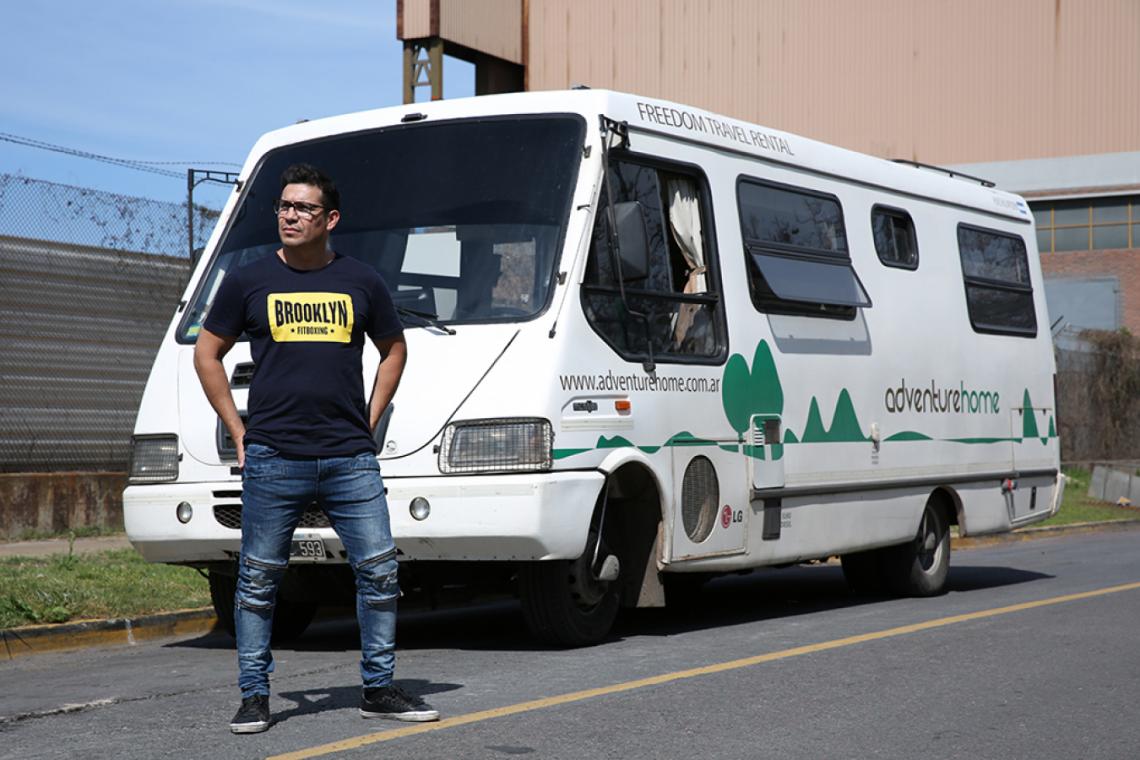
x: 208, y: 353
x: 393, y: 356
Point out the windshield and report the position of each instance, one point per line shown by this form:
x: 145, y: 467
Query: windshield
x: 463, y: 219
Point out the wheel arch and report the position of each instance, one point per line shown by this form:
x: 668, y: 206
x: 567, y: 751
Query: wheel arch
x: 636, y: 526
x: 949, y: 503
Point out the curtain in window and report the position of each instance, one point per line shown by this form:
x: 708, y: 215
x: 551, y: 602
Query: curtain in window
x: 685, y: 225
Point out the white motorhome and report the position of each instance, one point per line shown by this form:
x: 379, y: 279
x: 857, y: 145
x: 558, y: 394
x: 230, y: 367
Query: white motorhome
x: 736, y: 347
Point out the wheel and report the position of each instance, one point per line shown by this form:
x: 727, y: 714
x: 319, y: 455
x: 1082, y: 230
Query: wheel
x: 290, y: 616
x: 919, y: 567
x: 564, y: 604
x: 222, y: 589
x: 863, y: 572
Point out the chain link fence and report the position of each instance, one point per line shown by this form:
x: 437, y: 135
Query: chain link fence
x: 88, y: 283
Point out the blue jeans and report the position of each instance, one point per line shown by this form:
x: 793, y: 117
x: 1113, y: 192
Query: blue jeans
x: 275, y: 492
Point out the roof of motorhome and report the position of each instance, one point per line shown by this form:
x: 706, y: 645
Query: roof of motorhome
x: 681, y: 122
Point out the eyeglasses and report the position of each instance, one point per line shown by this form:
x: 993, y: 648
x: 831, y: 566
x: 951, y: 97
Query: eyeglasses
x: 304, y: 210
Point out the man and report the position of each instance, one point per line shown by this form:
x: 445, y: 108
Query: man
x: 306, y: 311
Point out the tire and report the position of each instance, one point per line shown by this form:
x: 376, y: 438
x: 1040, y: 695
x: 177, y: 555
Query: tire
x: 564, y: 605
x: 863, y: 572
x: 290, y: 617
x: 222, y: 588
x: 919, y: 567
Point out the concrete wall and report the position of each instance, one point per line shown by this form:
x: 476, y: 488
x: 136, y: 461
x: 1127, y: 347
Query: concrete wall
x: 59, y: 501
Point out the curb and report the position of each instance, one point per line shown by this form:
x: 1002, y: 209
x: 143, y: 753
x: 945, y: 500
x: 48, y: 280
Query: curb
x: 86, y: 634
x: 1048, y: 531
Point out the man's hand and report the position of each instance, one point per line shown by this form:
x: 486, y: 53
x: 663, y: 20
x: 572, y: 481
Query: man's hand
x: 393, y: 356
x: 208, y: 353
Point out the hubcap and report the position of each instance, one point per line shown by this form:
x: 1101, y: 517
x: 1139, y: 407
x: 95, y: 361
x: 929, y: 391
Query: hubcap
x: 586, y: 590
x: 928, y: 542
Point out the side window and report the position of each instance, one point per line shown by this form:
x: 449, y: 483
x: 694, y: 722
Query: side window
x: 995, y: 268
x: 796, y: 247
x: 895, y: 241
x: 674, y: 304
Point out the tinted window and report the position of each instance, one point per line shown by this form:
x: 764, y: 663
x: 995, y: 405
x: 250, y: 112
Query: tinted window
x: 796, y: 247
x: 895, y: 241
x: 995, y: 268
x: 770, y: 214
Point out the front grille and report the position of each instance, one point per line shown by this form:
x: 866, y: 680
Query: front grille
x: 243, y: 374
x: 229, y: 515
x: 227, y: 450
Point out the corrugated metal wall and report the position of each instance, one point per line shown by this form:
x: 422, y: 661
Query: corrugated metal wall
x: 942, y: 82
x: 413, y: 18
x: 489, y: 26
x: 79, y: 328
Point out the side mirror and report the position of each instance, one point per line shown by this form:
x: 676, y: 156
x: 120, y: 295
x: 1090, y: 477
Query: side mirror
x: 633, y: 241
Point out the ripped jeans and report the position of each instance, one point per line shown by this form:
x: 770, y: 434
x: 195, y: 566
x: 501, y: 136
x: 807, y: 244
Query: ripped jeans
x: 275, y: 492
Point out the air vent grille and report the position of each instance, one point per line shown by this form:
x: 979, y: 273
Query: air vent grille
x: 700, y: 494
x: 229, y: 516
x: 243, y: 374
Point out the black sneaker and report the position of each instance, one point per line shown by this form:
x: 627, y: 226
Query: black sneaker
x: 394, y: 703
x: 253, y: 715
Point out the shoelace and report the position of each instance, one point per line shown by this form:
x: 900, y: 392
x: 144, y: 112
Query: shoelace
x: 405, y: 696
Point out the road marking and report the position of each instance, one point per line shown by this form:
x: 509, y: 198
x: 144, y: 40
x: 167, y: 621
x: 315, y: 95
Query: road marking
x: 745, y: 662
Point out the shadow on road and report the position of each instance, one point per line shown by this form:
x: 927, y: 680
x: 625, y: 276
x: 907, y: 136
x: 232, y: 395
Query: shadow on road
x: 497, y: 624
x: 312, y: 701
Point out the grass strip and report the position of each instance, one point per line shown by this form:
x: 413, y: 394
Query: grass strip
x: 1077, y: 507
x: 109, y: 584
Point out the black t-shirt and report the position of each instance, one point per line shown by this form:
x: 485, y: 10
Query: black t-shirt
x: 306, y: 331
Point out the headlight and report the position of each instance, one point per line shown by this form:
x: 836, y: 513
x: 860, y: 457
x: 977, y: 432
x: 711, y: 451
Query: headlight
x: 154, y: 458
x: 515, y: 444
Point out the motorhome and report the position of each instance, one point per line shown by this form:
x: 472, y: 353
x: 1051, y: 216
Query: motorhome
x: 647, y: 344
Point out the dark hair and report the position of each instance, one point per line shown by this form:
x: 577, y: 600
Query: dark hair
x: 306, y: 174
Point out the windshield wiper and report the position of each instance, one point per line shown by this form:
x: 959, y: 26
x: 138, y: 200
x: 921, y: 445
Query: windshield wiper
x: 427, y: 319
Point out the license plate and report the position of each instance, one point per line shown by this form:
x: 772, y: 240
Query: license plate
x: 307, y: 550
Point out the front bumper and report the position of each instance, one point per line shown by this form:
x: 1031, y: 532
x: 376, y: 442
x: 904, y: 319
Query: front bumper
x: 502, y: 517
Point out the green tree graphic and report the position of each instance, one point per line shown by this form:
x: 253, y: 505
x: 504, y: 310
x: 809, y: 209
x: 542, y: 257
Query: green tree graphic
x: 745, y: 392
x: 1028, y: 419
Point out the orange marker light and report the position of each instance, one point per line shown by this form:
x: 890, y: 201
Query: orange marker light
x: 623, y: 405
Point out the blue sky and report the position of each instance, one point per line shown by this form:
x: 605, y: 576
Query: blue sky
x: 186, y: 80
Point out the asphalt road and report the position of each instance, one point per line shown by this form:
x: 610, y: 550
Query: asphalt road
x: 1034, y: 653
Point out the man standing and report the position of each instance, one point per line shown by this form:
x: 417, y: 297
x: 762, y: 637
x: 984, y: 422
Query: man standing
x: 306, y: 311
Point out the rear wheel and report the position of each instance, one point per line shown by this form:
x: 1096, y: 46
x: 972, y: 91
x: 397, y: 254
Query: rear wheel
x: 920, y: 566
x: 564, y: 604
x: 290, y: 616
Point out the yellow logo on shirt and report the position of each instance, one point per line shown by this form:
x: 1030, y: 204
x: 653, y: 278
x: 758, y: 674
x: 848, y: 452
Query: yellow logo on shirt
x: 310, y: 317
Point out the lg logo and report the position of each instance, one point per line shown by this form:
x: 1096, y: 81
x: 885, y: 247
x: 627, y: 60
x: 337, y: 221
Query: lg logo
x: 727, y: 516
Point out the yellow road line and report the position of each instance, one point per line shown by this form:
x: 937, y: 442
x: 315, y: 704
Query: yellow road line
x: 578, y: 696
